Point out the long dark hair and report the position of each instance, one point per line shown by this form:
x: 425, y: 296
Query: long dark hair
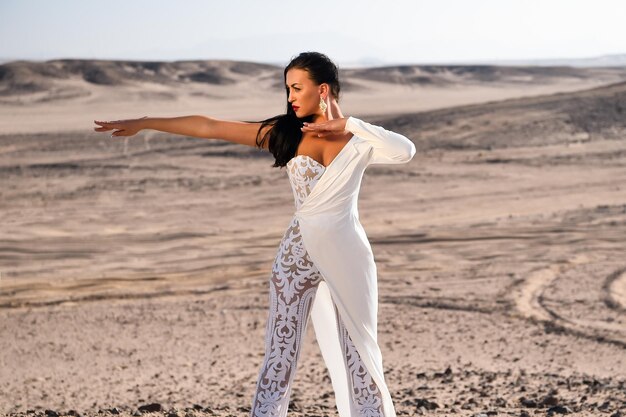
x: 285, y: 134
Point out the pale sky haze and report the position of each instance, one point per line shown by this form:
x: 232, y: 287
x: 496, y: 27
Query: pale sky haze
x: 366, y: 31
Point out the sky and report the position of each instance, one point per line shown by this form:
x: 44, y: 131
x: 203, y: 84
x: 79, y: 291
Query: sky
x: 363, y: 32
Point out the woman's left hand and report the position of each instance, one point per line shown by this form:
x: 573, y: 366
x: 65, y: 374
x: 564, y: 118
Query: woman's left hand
x: 330, y: 127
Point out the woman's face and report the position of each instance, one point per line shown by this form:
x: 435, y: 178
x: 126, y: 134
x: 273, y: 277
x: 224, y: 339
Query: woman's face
x: 303, y: 94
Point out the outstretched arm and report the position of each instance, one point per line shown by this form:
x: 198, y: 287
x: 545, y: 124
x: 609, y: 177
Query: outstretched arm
x: 196, y: 126
x: 244, y: 133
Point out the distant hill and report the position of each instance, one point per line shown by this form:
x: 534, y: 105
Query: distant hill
x: 596, y: 113
x: 614, y: 60
x: 27, y: 77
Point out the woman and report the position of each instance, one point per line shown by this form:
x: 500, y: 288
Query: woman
x: 324, y: 267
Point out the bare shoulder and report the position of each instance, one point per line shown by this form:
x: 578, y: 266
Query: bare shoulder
x: 244, y: 133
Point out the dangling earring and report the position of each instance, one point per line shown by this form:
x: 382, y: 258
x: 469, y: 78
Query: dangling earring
x: 323, y: 105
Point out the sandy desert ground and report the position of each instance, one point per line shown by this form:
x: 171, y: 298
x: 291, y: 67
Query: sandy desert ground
x: 134, y: 271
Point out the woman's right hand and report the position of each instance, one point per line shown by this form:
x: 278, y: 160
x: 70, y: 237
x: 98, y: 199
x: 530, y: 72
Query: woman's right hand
x: 127, y: 127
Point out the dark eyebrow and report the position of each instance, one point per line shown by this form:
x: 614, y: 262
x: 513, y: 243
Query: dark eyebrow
x: 292, y: 84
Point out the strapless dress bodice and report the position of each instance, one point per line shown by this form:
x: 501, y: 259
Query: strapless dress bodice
x: 304, y: 172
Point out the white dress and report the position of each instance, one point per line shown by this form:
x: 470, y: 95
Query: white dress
x: 338, y: 246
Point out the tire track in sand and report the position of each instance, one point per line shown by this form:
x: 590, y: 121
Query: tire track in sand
x: 529, y: 295
x: 615, y: 290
